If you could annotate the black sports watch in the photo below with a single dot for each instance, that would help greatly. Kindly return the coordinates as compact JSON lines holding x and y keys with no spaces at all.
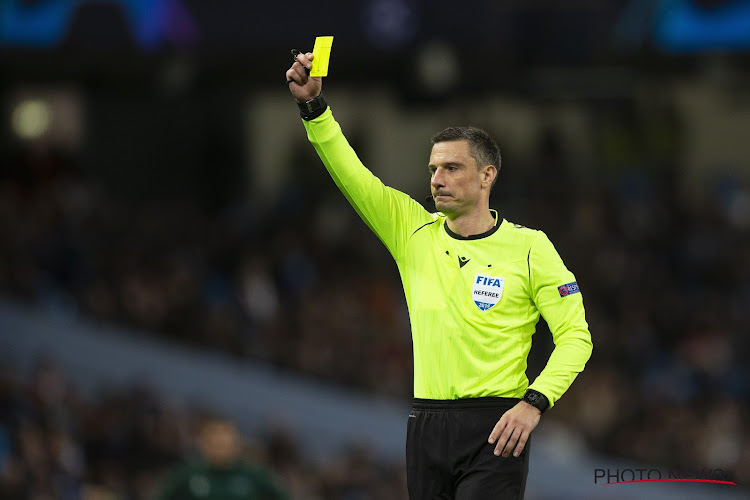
{"x":313,"y":108}
{"x":536,"y":399}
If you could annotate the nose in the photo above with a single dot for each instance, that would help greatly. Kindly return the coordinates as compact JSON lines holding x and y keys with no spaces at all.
{"x":436,"y":180}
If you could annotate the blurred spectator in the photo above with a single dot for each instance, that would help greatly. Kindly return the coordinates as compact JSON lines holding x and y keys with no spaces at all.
{"x":219,"y":473}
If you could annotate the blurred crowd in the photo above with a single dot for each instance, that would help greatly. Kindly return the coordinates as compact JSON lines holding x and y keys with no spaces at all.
{"x":57,"y":443}
{"x":254,"y":283}
{"x":303,"y":286}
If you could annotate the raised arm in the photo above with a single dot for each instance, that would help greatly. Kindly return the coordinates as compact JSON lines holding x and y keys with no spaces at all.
{"x":391,"y":214}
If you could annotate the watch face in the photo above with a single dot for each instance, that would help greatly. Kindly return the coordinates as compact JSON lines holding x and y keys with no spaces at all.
{"x":536,"y":400}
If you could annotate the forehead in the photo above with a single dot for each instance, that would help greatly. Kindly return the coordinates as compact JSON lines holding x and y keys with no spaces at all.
{"x":217,"y":429}
{"x":450,"y":151}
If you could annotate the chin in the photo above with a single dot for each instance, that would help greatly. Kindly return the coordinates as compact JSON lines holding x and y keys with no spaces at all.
{"x":443,"y":207}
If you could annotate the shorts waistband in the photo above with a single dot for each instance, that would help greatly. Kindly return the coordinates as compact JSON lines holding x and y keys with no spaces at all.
{"x":463,"y":403}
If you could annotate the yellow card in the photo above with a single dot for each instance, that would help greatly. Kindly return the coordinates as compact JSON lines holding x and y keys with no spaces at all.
{"x":322,"y":54}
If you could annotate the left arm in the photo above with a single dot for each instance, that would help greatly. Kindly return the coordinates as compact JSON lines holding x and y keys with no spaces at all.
{"x":563,"y":310}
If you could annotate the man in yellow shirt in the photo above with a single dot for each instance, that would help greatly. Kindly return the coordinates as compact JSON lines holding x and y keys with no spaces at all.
{"x":475,"y":286}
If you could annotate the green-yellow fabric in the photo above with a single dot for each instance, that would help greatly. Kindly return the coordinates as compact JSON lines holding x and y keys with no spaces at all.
{"x":460,"y":350}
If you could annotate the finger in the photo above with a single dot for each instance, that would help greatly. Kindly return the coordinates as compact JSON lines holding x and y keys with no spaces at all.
{"x":301,"y":68}
{"x":292,"y":76}
{"x":300,"y":72}
{"x":496,"y":431}
{"x":502,"y":441}
{"x":521,"y":444}
{"x":506,"y":441}
{"x":305,"y":60}
{"x":511,"y":443}
{"x":512,"y":440}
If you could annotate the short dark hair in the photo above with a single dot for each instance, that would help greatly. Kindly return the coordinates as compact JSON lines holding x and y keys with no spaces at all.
{"x":482,"y":146}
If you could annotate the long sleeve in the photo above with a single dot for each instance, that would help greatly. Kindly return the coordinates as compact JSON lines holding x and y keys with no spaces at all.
{"x":391,"y":214}
{"x":563,"y":310}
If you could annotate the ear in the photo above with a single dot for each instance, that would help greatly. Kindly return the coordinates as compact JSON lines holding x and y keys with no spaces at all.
{"x":489,"y":172}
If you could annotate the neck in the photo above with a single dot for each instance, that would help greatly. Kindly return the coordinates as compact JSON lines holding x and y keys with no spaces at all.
{"x":470,"y":224}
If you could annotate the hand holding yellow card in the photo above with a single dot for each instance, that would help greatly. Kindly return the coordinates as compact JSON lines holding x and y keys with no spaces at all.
{"x":321,"y":55}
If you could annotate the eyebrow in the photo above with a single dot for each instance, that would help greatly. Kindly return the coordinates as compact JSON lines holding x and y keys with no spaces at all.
{"x":446,"y":164}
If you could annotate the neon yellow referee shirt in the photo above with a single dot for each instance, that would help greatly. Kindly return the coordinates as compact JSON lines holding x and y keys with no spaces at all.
{"x":473,"y":302}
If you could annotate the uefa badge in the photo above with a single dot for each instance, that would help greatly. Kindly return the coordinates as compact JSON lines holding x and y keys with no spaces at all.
{"x":568,"y":288}
{"x":487,"y":290}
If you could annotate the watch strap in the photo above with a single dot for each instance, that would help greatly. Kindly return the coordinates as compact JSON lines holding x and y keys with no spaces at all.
{"x":536,"y":399}
{"x":313,"y":108}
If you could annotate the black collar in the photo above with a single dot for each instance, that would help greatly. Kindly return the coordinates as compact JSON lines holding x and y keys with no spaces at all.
{"x":485,"y":234}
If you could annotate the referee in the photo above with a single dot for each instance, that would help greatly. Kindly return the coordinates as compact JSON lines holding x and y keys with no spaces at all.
{"x":475,"y":285}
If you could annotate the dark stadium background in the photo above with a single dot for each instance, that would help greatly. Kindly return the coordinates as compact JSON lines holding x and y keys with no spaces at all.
{"x":156,"y":185}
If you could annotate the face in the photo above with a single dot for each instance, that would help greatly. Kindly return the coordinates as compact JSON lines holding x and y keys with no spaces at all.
{"x":457,"y":185}
{"x":220,"y":443}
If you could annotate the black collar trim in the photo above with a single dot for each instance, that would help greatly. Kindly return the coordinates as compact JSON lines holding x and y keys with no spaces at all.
{"x":490,"y":232}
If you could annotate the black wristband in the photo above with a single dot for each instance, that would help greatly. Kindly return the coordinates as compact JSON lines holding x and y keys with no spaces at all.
{"x":313,"y":108}
{"x":536,"y":399}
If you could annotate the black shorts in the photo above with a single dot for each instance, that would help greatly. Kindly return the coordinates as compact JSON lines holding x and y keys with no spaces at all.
{"x":448,"y":456}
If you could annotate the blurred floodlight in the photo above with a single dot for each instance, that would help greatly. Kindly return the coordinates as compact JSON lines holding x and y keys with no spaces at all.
{"x":46,"y":116}
{"x":390,"y":23}
{"x":31,"y":118}
{"x":437,"y":68}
